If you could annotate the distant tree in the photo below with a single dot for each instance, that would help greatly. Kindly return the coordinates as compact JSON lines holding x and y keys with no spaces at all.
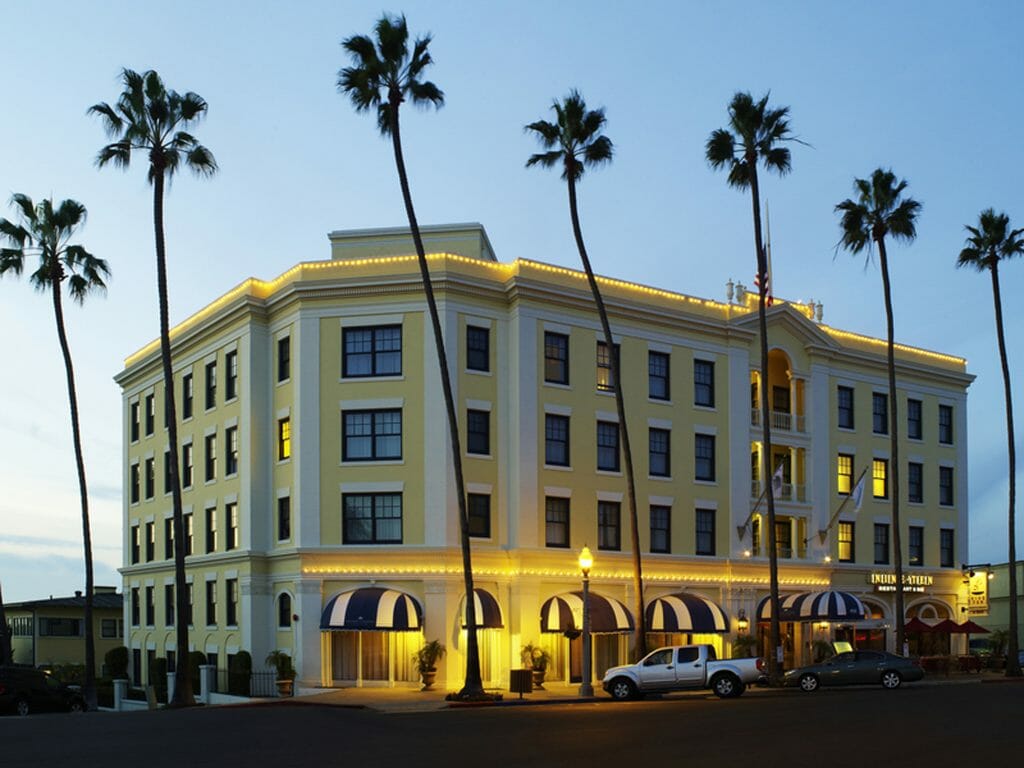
{"x":574,"y":142}
{"x":45,"y":231}
{"x":151,"y":119}
{"x":989,"y":243}
{"x":880,"y":210}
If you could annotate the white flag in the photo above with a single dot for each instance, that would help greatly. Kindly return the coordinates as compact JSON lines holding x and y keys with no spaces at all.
{"x":777,"y":482}
{"x":858,"y":493}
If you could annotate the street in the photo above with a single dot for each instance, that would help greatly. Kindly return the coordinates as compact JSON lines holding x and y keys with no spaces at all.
{"x":949,"y":725}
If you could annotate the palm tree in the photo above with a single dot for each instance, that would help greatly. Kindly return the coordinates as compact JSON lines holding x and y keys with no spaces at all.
{"x":154,"y":120}
{"x":756,"y":134}
{"x":5,"y":634}
{"x":45,"y":230}
{"x":989,"y":243}
{"x":384,"y":73}
{"x":881,"y":210}
{"x":575,"y":142}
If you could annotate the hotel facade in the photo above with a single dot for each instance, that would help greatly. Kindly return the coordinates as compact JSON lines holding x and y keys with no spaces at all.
{"x":319,"y":495}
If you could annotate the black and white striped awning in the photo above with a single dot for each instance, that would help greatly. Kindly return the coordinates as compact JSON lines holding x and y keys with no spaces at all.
{"x":831,"y":605}
{"x":685,"y":612}
{"x":564,"y":613}
{"x":374,"y":609}
{"x":488,"y":612}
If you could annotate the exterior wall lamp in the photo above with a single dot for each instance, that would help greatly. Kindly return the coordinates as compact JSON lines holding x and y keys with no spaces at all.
{"x":741,"y":621}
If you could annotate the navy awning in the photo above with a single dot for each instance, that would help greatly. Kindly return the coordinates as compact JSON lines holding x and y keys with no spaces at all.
{"x":564,"y":613}
{"x":373,"y":609}
{"x":831,"y":605}
{"x":685,"y":612}
{"x":488,"y":612}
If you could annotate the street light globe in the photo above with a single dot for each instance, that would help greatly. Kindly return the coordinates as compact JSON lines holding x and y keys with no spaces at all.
{"x":586,"y":560}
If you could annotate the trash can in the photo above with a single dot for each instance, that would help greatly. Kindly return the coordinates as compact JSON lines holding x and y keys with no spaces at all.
{"x":520,"y":681}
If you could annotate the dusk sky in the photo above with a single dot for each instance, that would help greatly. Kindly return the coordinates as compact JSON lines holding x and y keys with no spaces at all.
{"x":930,"y":89}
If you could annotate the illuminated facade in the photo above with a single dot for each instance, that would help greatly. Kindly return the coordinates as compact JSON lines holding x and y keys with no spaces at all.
{"x":320,"y":498}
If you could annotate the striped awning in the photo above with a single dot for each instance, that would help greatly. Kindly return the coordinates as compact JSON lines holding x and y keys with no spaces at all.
{"x":373,"y":609}
{"x":488,"y":612}
{"x":564,"y":613}
{"x":685,"y":612}
{"x":831,"y":605}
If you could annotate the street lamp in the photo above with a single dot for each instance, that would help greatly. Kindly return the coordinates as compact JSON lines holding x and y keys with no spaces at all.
{"x":586,"y":561}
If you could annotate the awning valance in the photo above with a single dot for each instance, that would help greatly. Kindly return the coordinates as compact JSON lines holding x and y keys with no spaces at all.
{"x":831,"y":605}
{"x":685,"y":612}
{"x":564,"y":613}
{"x":488,"y":612}
{"x":374,"y":609}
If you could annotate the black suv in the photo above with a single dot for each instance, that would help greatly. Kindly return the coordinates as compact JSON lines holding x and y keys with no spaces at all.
{"x":24,"y":690}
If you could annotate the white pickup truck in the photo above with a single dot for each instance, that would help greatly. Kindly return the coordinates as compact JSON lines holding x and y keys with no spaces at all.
{"x":680,"y":668}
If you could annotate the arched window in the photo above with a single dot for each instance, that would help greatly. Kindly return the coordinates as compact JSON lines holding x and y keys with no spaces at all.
{"x":284,"y":611}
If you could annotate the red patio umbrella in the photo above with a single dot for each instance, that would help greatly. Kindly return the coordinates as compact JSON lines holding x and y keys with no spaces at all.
{"x":970,"y":628}
{"x":947,"y":626}
{"x":916,"y":625}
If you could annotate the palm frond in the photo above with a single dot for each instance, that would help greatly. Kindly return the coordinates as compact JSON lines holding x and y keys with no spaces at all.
{"x":739,"y":173}
{"x":547,"y":133}
{"x":11,"y":259}
{"x":598,"y":151}
{"x":546,"y":159}
{"x":392,"y":38}
{"x":901,"y":222}
{"x":854,"y":226}
{"x":778,"y":159}
{"x":426,"y":94}
{"x":111,"y":121}
{"x":720,"y":148}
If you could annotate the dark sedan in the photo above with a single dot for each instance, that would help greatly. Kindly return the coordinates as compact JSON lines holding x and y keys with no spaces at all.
{"x":856,"y":668}
{"x":24,"y":690}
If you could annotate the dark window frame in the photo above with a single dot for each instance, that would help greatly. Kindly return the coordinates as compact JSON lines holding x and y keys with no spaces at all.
{"x":557,"y":521}
{"x":134,"y":416}
{"x":609,"y":526}
{"x":380,"y":419}
{"x":915,"y":546}
{"x":603,"y":362}
{"x":380,"y":336}
{"x":704,"y":447}
{"x":284,"y":438}
{"x":230,"y":451}
{"x":478,"y":348}
{"x":606,"y":431}
{"x":210,"y":457}
{"x":556,"y":434}
{"x":210,"y":385}
{"x":375,"y":518}
{"x":556,"y":358}
{"x":478,"y":508}
{"x":284,"y":358}
{"x":150,"y":415}
{"x":230,"y":375}
{"x":884,"y":463}
{"x":478,"y":441}
{"x":187,"y":396}
{"x":284,"y":518}
{"x":915,"y":409}
{"x":704,"y":524}
{"x":659,"y":444}
{"x":704,"y":383}
{"x":659,"y":372}
{"x":882,"y":544}
{"x":946,"y":424}
{"x":879,"y":413}
{"x":846,"y":540}
{"x":946,"y":487}
{"x":663,"y":532}
{"x":915,"y":482}
{"x":845,"y":416}
{"x":947,"y":551}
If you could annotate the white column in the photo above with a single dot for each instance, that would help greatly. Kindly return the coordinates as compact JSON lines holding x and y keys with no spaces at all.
{"x":438,"y":526}
{"x":524,"y":376}
{"x":306,"y":653}
{"x":305,"y":420}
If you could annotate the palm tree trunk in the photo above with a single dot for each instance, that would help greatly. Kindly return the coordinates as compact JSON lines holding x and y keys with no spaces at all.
{"x":182,"y":678}
{"x":894,"y":449}
{"x":5,"y":634}
{"x":774,"y":632}
{"x":473,"y":686}
{"x":640,"y":637}
{"x":1012,"y":663}
{"x":89,"y":689}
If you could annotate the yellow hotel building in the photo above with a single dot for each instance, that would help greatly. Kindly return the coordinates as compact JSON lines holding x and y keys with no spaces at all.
{"x":319,"y":494}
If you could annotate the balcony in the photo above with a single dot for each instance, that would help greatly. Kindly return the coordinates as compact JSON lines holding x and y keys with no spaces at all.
{"x":789,"y":492}
{"x":782,"y":421}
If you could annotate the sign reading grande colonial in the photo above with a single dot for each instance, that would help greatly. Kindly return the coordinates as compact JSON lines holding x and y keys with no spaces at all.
{"x":977,"y":593}
{"x":885,"y":581}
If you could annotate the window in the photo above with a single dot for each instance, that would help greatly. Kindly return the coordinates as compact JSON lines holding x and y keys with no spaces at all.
{"x":211,"y":603}
{"x":231,"y":519}
{"x":845,"y":401}
{"x":190,"y":595}
{"x":372,"y":518}
{"x":211,"y":529}
{"x":134,"y":482}
{"x":846,"y":551}
{"x":284,"y":518}
{"x":108,"y":629}
{"x":186,"y":465}
{"x":880,"y":478}
{"x":167,"y":471}
{"x":150,"y":414}
{"x":284,"y":358}
{"x":556,"y":440}
{"x":136,"y":543}
{"x":478,"y":432}
{"x":657,"y":375}
{"x":704,"y":450}
{"x":704,"y":383}
{"x":150,"y":542}
{"x":187,"y":395}
{"x":661,"y":517}
{"x":479,"y":508}
{"x":946,"y":486}
{"x":136,"y":609}
{"x":284,"y":611}
{"x":916,"y":545}
{"x":150,"y":478}
{"x":372,"y":351}
{"x":52,"y":627}
{"x":659,"y":440}
{"x":211,"y":457}
{"x":605,"y":374}
{"x":914,"y":419}
{"x":879,"y":413}
{"x":231,"y":587}
{"x":608,"y":446}
{"x":705,"y":532}
{"x":370,"y":435}
{"x":189,"y":533}
{"x":844,"y":473}
{"x":168,"y":538}
{"x":168,"y":605}
{"x":608,"y":515}
{"x":946,"y":424}
{"x":150,"y":607}
{"x":211,"y":385}
{"x":556,"y":521}
{"x":783,"y":538}
{"x":781,"y":402}
{"x":881,"y":543}
{"x":284,"y":439}
{"x":231,"y":444}
{"x":556,"y":358}
{"x":946,"y":557}
{"x":478,"y":348}
{"x":915,"y":484}
{"x":134,"y":421}
{"x":231,"y":375}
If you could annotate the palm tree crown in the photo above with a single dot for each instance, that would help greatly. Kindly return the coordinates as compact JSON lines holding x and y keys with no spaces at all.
{"x":877,"y":212}
{"x":755,"y":132}
{"x":991,"y":242}
{"x":384,"y":74}
{"x":574,"y":139}
{"x":150,"y":117}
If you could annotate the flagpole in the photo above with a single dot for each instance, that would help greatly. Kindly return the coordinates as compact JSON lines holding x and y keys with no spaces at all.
{"x":740,"y":529}
{"x":824,"y":531}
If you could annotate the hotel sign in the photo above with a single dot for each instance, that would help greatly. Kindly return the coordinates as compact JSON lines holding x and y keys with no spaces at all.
{"x":912,"y":582}
{"x":977,"y":593}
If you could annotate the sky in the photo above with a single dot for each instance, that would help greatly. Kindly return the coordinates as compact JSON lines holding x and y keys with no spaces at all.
{"x":929,"y":89}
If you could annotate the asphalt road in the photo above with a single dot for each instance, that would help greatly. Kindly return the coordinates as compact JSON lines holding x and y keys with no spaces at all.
{"x":953,"y":725}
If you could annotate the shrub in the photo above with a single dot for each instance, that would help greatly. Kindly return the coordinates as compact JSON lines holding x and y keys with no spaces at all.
{"x":282,"y":662}
{"x":116,"y":660}
{"x":158,"y":678}
{"x":239,"y":673}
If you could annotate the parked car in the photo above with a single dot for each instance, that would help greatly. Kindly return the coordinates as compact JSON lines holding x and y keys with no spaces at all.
{"x":680,"y":668}
{"x":856,"y":668}
{"x":24,"y":690}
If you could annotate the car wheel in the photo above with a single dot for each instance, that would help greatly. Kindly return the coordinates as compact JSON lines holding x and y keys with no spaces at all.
{"x":891,"y":679}
{"x":21,"y":707}
{"x":76,"y":706}
{"x":726,"y":686}
{"x":808,"y":683}
{"x":622,"y":689}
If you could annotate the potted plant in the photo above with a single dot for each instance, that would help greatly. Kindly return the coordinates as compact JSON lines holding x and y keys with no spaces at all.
{"x":744,"y":646}
{"x":426,"y":659}
{"x":282,"y":662}
{"x":536,"y":658}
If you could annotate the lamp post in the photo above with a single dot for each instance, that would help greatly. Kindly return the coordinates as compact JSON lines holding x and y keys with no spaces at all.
{"x":586,"y":561}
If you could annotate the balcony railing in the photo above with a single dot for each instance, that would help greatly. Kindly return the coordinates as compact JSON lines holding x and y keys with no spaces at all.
{"x":784,"y":421}
{"x":789,"y":492}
